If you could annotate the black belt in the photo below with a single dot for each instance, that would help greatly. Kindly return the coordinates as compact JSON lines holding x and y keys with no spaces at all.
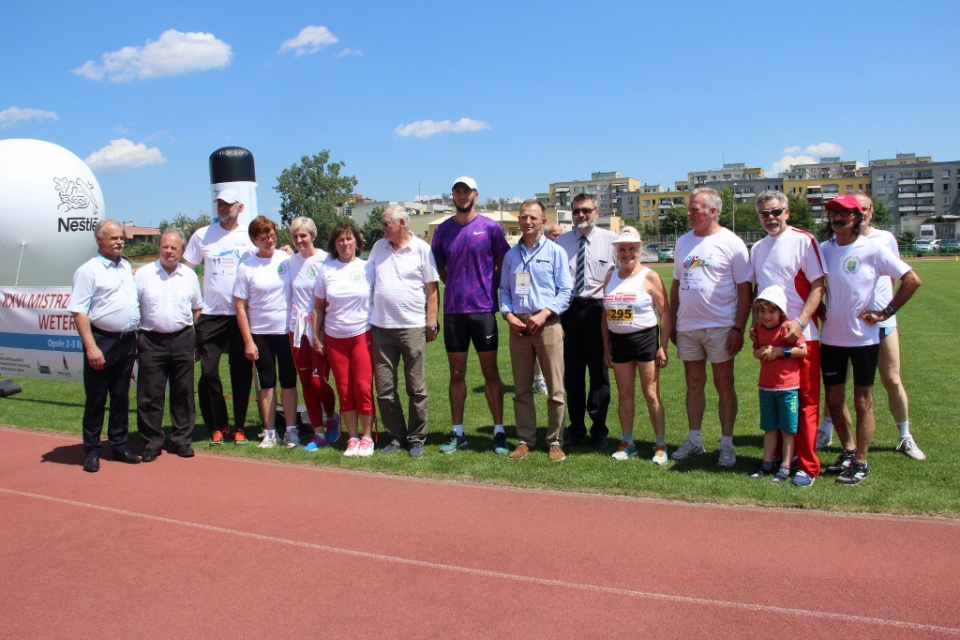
{"x":117,"y":335}
{"x":163,"y":334}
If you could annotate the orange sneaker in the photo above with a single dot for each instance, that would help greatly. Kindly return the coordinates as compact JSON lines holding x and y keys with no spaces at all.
{"x":216,"y":437}
{"x":239,"y":437}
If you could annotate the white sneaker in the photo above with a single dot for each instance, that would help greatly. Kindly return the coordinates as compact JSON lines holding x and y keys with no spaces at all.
{"x":291,"y":437}
{"x":687,"y":449}
{"x":540,"y":385}
{"x":660,"y":455}
{"x":366,"y":448}
{"x":269,"y":440}
{"x":353,"y":448}
{"x":909,"y":448}
{"x":728,"y":456}
{"x":824,"y":439}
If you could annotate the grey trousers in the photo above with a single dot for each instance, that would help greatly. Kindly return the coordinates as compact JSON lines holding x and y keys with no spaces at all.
{"x":546,"y":348}
{"x":389,"y":347}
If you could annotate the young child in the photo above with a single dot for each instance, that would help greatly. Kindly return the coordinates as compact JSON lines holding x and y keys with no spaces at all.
{"x":779,"y":380}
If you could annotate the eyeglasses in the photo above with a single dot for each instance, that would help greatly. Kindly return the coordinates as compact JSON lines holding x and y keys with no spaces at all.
{"x":583,"y":212}
{"x":386,"y":223}
{"x":846,"y":213}
{"x":267,"y":238}
{"x":766,"y":213}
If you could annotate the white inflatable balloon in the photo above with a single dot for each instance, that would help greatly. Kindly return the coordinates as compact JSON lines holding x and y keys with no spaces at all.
{"x":49,"y":204}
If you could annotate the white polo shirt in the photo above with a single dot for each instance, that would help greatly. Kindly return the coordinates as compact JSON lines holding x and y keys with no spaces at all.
{"x":400,"y":278}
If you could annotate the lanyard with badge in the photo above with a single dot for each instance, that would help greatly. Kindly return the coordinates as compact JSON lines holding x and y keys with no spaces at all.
{"x":522,"y":285}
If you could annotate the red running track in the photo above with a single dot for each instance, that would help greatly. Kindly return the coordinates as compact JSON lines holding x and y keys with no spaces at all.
{"x":232,"y":548}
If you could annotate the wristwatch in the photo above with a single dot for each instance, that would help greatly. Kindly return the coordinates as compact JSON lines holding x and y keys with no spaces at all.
{"x":889,"y":311}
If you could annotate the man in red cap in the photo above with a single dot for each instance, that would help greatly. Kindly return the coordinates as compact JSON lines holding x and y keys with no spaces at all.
{"x":850,"y":333}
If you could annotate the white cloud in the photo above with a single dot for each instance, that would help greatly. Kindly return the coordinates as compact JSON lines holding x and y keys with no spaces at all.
{"x":310,"y":40}
{"x":173,"y":54}
{"x":792,"y":150}
{"x":427,"y":128}
{"x":123,"y":154}
{"x":787,"y":161}
{"x":350,"y":52}
{"x":12,"y":115}
{"x":824,"y":149}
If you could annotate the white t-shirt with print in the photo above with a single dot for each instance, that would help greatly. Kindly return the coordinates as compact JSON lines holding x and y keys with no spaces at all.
{"x":708,"y":270}
{"x":400,"y":299}
{"x":347,"y":287}
{"x":852,"y":273}
{"x":221,"y":253}
{"x":303,"y":276}
{"x":265,"y":284}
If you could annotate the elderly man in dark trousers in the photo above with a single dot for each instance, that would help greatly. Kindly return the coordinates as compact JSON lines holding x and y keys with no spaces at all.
{"x":170,"y":303}
{"x":591,"y":256}
{"x":105,"y":308}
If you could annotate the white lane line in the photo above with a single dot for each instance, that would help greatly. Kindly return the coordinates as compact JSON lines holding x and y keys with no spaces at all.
{"x":726,"y":604}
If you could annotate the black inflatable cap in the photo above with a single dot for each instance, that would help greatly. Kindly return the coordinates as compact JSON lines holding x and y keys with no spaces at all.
{"x":232,"y":164}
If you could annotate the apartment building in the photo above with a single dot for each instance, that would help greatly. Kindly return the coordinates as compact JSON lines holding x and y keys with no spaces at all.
{"x":916,"y":188}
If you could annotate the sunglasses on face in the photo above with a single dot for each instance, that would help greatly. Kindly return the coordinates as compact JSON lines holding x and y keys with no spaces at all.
{"x":766,"y":213}
{"x":583,"y":212}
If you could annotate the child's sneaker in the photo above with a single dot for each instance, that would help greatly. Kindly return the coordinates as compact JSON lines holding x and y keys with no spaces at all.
{"x":803,"y":479}
{"x":353,"y":448}
{"x":783,"y":474}
{"x":763,"y":470}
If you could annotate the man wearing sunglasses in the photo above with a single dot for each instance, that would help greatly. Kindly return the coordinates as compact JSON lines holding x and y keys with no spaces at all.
{"x":591,"y":255}
{"x":790,"y":258}
{"x":851,"y":333}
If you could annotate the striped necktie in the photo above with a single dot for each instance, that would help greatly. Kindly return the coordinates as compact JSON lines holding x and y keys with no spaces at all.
{"x":581,"y":260}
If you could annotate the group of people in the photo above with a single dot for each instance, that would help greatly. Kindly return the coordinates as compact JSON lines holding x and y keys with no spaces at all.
{"x":576,"y":304}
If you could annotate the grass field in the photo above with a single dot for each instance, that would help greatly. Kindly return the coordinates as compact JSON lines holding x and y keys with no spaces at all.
{"x":896,"y":484}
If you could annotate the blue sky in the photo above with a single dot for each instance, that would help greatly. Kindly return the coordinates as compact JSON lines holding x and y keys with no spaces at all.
{"x":514,"y":94}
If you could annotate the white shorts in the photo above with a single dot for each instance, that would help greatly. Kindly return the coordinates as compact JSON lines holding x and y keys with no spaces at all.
{"x":704,"y":344}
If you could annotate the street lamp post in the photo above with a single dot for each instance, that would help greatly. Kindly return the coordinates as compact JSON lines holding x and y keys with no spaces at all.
{"x":734,"y":212}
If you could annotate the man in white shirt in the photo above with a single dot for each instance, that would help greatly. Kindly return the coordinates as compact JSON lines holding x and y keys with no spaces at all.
{"x":790,"y":259}
{"x":888,"y":364}
{"x":404,"y":320}
{"x":105,"y":308}
{"x":850,"y":334}
{"x":710,"y":301}
{"x":221,"y":247}
{"x":591,"y":256}
{"x":170,"y":303}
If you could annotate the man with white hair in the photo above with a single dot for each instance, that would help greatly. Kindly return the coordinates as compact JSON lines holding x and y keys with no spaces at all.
{"x":221,"y":247}
{"x":106,"y":311}
{"x":790,"y":259}
{"x":710,"y":302}
{"x":404,"y":320}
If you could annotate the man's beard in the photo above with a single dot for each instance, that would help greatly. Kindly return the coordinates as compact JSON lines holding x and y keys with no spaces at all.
{"x":466,"y":209}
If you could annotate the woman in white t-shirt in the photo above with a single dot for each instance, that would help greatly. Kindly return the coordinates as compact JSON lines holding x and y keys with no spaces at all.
{"x":261,"y":293}
{"x":633,"y":296}
{"x":312,"y":367}
{"x":342,"y":332}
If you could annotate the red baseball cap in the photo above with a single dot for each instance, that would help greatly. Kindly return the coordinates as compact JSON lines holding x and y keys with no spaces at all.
{"x":844,"y":202}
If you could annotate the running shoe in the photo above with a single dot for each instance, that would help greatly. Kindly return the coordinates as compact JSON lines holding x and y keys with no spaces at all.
{"x":500,"y":444}
{"x":316,"y":442}
{"x":660,"y":454}
{"x":332,"y":429}
{"x":366,"y":448}
{"x":764,"y":469}
{"x":353,"y":448}
{"x":687,"y":449}
{"x":843,"y":461}
{"x":803,"y":479}
{"x":782,"y":475}
{"x":453,"y":442}
{"x":824,"y":439}
{"x":216,"y":438}
{"x":269,"y":441}
{"x":239,"y":437}
{"x":624,"y":452}
{"x":853,"y":474}
{"x":291,"y":437}
{"x":909,"y":448}
{"x":728,"y":456}
{"x":540,"y":385}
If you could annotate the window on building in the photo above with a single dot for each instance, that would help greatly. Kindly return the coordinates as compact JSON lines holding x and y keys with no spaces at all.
{"x":946,"y":201}
{"x":881,"y":191}
{"x":946,"y":186}
{"x":879,"y":177}
{"x":849,"y":188}
{"x":946,"y":173}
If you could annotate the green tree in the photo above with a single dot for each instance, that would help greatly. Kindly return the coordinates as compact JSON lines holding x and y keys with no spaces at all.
{"x":801,"y":214}
{"x":491,"y":204}
{"x":881,"y":214}
{"x":371,"y":230}
{"x":186,"y":224}
{"x":316,"y":190}
{"x":675,"y":221}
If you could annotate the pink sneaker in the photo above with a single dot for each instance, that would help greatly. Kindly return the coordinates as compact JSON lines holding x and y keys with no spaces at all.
{"x":353,"y":448}
{"x":366,"y":447}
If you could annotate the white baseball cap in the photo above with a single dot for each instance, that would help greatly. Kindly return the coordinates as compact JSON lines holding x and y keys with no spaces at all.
{"x":628,"y":235}
{"x":229,"y":196}
{"x":470,"y":182}
{"x":775,"y":296}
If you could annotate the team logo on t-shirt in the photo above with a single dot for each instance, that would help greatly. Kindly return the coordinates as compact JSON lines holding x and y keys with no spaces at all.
{"x":694,"y":262}
{"x":282,"y":268}
{"x":356,"y":277}
{"x":312,"y":272}
{"x":852,"y":264}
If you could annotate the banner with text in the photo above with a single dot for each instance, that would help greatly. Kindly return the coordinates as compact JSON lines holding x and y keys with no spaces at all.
{"x":38,"y":338}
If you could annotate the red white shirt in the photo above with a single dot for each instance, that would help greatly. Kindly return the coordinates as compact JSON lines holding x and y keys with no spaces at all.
{"x":782,"y":374}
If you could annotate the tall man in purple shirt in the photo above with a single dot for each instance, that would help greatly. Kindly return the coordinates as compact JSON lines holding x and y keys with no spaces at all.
{"x":469,"y":250}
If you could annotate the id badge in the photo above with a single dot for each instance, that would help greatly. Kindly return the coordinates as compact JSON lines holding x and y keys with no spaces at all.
{"x":522,"y":286}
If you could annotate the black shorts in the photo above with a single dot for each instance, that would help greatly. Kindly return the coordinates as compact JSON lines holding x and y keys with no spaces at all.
{"x":834,"y":362}
{"x":640,"y":345}
{"x":459,"y":329}
{"x":275,"y":354}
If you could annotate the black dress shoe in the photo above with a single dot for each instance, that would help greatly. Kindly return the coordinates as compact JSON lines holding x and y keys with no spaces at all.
{"x":185,"y":451}
{"x":150,"y":455}
{"x":572,"y":440}
{"x":126,"y":456}
{"x":601,"y":443}
{"x":92,"y":463}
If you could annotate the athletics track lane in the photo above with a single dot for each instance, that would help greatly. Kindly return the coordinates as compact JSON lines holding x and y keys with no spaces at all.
{"x":224,"y":547}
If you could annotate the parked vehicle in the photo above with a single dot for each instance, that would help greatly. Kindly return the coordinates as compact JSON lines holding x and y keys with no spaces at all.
{"x":950,"y":245}
{"x":927,"y":246}
{"x":928,"y":233}
{"x":665,"y":254}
